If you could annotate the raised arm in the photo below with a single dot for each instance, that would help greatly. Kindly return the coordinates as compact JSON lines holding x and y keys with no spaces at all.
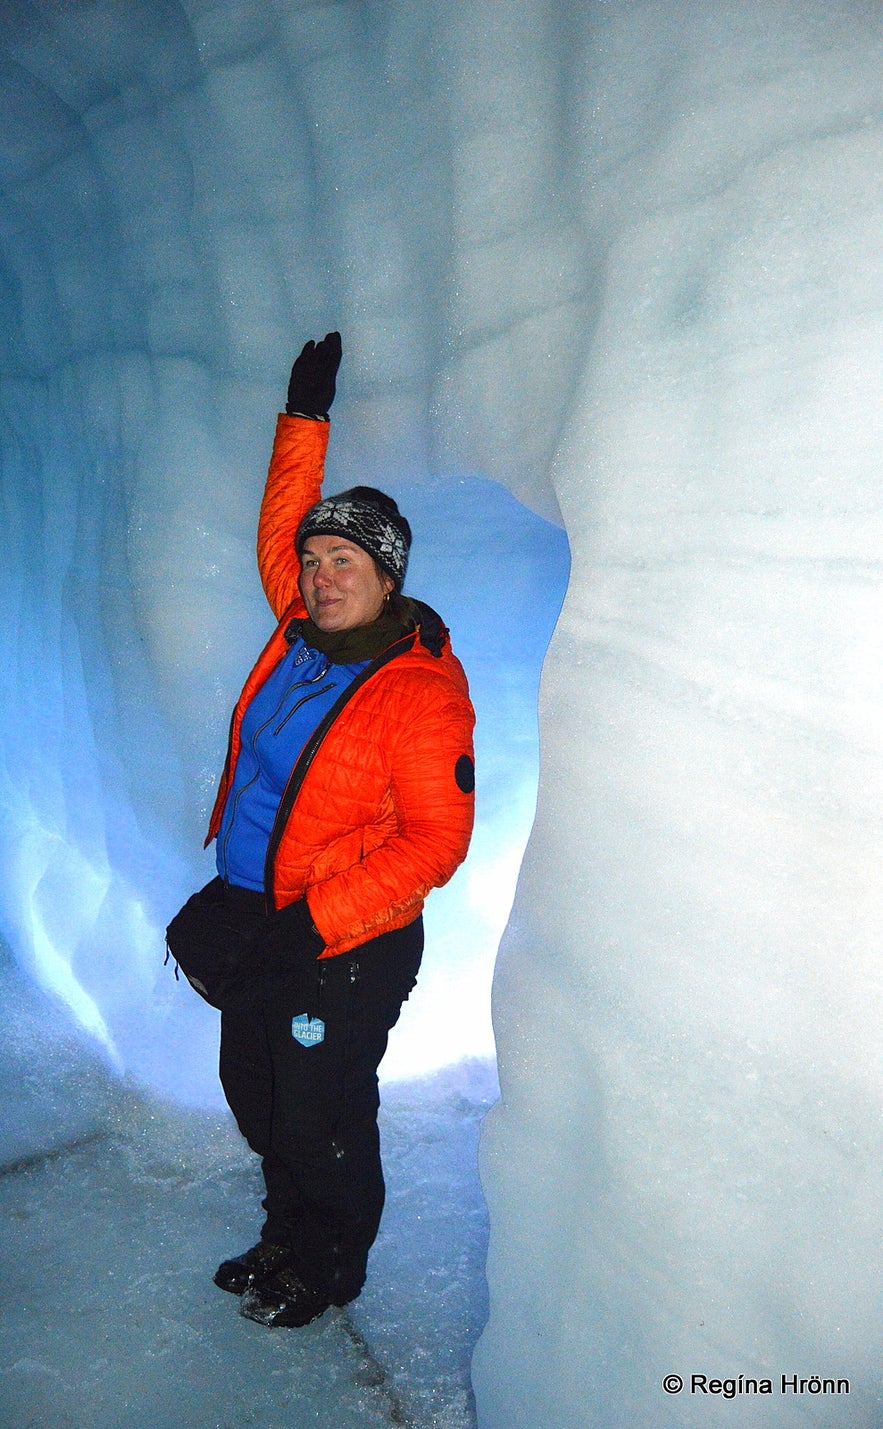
{"x":294,"y":480}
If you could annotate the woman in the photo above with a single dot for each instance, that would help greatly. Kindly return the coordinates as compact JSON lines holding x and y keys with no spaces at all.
{"x":346,"y":796}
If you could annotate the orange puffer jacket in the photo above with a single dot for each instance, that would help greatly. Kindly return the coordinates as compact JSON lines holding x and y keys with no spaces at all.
{"x":379,"y":806}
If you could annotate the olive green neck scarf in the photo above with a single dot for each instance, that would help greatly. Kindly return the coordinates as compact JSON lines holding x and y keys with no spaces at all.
{"x":364,"y":642}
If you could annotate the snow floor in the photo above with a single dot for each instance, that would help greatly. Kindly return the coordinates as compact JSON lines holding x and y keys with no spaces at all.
{"x":110,"y":1319}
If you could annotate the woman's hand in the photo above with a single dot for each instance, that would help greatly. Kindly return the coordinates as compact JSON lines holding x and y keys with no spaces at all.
{"x":282,"y":963}
{"x":288,"y":935}
{"x":312,"y":384}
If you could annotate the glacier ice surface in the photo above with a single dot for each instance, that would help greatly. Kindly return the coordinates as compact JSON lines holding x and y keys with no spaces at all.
{"x":623,"y":259}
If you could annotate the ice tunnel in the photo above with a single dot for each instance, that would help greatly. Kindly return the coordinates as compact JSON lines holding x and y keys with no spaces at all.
{"x":615,"y":265}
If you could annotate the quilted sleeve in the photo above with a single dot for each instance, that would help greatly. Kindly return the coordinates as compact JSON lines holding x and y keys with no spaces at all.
{"x":294,"y":484}
{"x":431,"y":768}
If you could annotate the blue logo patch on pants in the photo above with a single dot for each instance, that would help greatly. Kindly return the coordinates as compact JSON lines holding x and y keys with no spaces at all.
{"x":308,"y":1031}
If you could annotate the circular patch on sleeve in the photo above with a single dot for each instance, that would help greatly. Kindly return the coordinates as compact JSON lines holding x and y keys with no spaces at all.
{"x":464,"y":773}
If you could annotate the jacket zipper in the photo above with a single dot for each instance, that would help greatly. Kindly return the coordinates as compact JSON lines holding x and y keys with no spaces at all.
{"x":302,"y":701}
{"x":298,"y":685}
{"x":308,"y":753}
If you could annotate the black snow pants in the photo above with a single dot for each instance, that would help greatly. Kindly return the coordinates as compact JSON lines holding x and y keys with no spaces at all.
{"x":302,"y":1085}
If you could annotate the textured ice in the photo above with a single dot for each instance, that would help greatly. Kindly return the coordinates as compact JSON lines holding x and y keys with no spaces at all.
{"x":623,"y":258}
{"x":145,"y":359}
{"x":689,"y":1029}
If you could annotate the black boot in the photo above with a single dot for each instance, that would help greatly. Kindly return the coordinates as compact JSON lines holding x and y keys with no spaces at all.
{"x":281,"y":1298}
{"x":238,"y":1273}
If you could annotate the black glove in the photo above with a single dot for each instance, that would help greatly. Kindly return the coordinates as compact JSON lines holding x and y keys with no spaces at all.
{"x":284,"y":949}
{"x":289,"y":935}
{"x":311,"y":386}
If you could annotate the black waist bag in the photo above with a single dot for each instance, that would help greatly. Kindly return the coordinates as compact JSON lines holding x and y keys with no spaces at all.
{"x":211,"y":940}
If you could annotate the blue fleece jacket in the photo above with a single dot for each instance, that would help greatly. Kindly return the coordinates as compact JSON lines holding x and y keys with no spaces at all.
{"x":276,"y":726}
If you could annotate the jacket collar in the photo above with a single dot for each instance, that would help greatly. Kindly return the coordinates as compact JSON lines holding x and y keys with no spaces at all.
{"x":347,"y":647}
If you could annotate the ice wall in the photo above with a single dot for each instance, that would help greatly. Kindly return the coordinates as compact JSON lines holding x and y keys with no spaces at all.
{"x":623,"y":259}
{"x":188,"y":191}
{"x":683,"y":1175}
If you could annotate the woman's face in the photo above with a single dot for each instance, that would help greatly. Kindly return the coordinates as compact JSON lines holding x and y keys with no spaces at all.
{"x":341,"y":584}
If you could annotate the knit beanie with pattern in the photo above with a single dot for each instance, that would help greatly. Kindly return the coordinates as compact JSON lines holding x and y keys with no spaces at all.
{"x":367,"y":517}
